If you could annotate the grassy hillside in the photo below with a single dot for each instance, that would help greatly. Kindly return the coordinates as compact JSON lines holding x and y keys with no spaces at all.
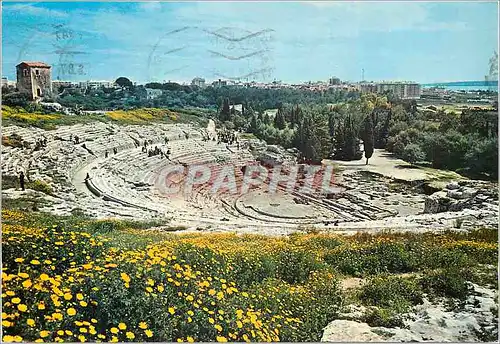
{"x":21,"y":117}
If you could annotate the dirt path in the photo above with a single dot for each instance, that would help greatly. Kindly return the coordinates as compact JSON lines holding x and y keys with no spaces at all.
{"x":384,"y":163}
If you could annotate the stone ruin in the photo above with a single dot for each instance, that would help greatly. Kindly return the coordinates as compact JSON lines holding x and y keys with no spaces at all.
{"x":464,"y":194}
{"x":123,"y":184}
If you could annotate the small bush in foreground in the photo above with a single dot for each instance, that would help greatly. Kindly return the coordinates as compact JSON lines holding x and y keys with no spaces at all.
{"x":450,"y":282}
{"x":383,"y":317}
{"x":396,"y":293}
{"x":39,"y":185}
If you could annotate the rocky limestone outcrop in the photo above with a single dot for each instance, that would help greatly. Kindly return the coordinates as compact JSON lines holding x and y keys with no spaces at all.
{"x":457,"y":196}
{"x":476,"y":321}
{"x":350,"y":331}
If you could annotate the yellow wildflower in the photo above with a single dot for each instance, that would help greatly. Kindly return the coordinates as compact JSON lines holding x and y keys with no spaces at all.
{"x":8,"y":339}
{"x":125,"y":277}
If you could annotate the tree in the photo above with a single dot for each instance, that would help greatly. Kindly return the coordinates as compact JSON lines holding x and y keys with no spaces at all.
{"x":255,"y":123}
{"x":307,"y":141}
{"x":124,"y":82}
{"x":331,"y":124}
{"x":225,"y":113}
{"x":266,"y":119}
{"x":482,"y":157}
{"x":413,"y":153}
{"x":279,"y":119}
{"x":16,"y":99}
{"x":368,"y":139}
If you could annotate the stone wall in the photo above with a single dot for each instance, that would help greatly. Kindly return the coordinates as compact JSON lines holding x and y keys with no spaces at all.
{"x":37,"y":82}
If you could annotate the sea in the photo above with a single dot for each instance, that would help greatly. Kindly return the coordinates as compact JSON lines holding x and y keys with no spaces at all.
{"x":466,"y":86}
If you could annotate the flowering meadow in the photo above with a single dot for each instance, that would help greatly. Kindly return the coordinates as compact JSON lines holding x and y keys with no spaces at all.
{"x":141,"y":115}
{"x":69,"y":279}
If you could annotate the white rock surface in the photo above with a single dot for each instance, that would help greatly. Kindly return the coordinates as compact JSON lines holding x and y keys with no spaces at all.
{"x":427,"y":322}
{"x":349,"y":331}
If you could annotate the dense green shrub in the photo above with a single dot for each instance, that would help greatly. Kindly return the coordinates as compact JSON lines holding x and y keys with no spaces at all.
{"x":392,"y":292}
{"x":39,"y":185}
{"x":383,"y":317}
{"x":379,"y":258}
{"x":450,"y":282}
{"x":295,"y":266}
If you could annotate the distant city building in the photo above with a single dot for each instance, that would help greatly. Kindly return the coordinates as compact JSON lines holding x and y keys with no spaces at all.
{"x":219,"y":83}
{"x":403,"y":90}
{"x":334,"y":81}
{"x":152,"y":93}
{"x":59,"y":83}
{"x":94,"y":84}
{"x":200,"y":82}
{"x":6,"y":82}
{"x":34,"y":78}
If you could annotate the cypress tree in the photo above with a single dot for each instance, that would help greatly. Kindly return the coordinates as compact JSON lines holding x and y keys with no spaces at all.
{"x":225,"y":114}
{"x":254,"y":124}
{"x":279,"y":119}
{"x":350,"y":143}
{"x":267,"y":119}
{"x":368,"y":139}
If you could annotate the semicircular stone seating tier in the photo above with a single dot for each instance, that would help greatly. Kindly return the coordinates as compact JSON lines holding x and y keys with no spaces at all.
{"x":126,"y":182}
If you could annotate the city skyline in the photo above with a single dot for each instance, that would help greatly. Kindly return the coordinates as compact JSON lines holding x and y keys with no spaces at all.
{"x":153,"y":41}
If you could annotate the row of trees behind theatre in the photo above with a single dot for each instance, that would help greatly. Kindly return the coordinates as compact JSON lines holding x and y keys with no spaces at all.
{"x":318,"y":131}
{"x":465,"y":142}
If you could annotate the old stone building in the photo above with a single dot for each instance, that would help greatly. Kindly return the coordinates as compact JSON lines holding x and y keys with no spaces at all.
{"x":34,"y":78}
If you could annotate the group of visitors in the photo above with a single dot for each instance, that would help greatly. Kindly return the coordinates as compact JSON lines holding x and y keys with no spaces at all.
{"x":156,"y":151}
{"x":75,"y":139}
{"x":41,"y":143}
{"x":226,"y":137}
{"x":115,"y":150}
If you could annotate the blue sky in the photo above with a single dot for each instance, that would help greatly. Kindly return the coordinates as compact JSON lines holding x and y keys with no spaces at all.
{"x":291,"y":41}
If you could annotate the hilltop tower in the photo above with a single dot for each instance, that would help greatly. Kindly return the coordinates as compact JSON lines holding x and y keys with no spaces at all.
{"x":34,"y":78}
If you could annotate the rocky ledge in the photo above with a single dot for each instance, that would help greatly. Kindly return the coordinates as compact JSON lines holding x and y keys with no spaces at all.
{"x":460,"y":195}
{"x":476,"y":321}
